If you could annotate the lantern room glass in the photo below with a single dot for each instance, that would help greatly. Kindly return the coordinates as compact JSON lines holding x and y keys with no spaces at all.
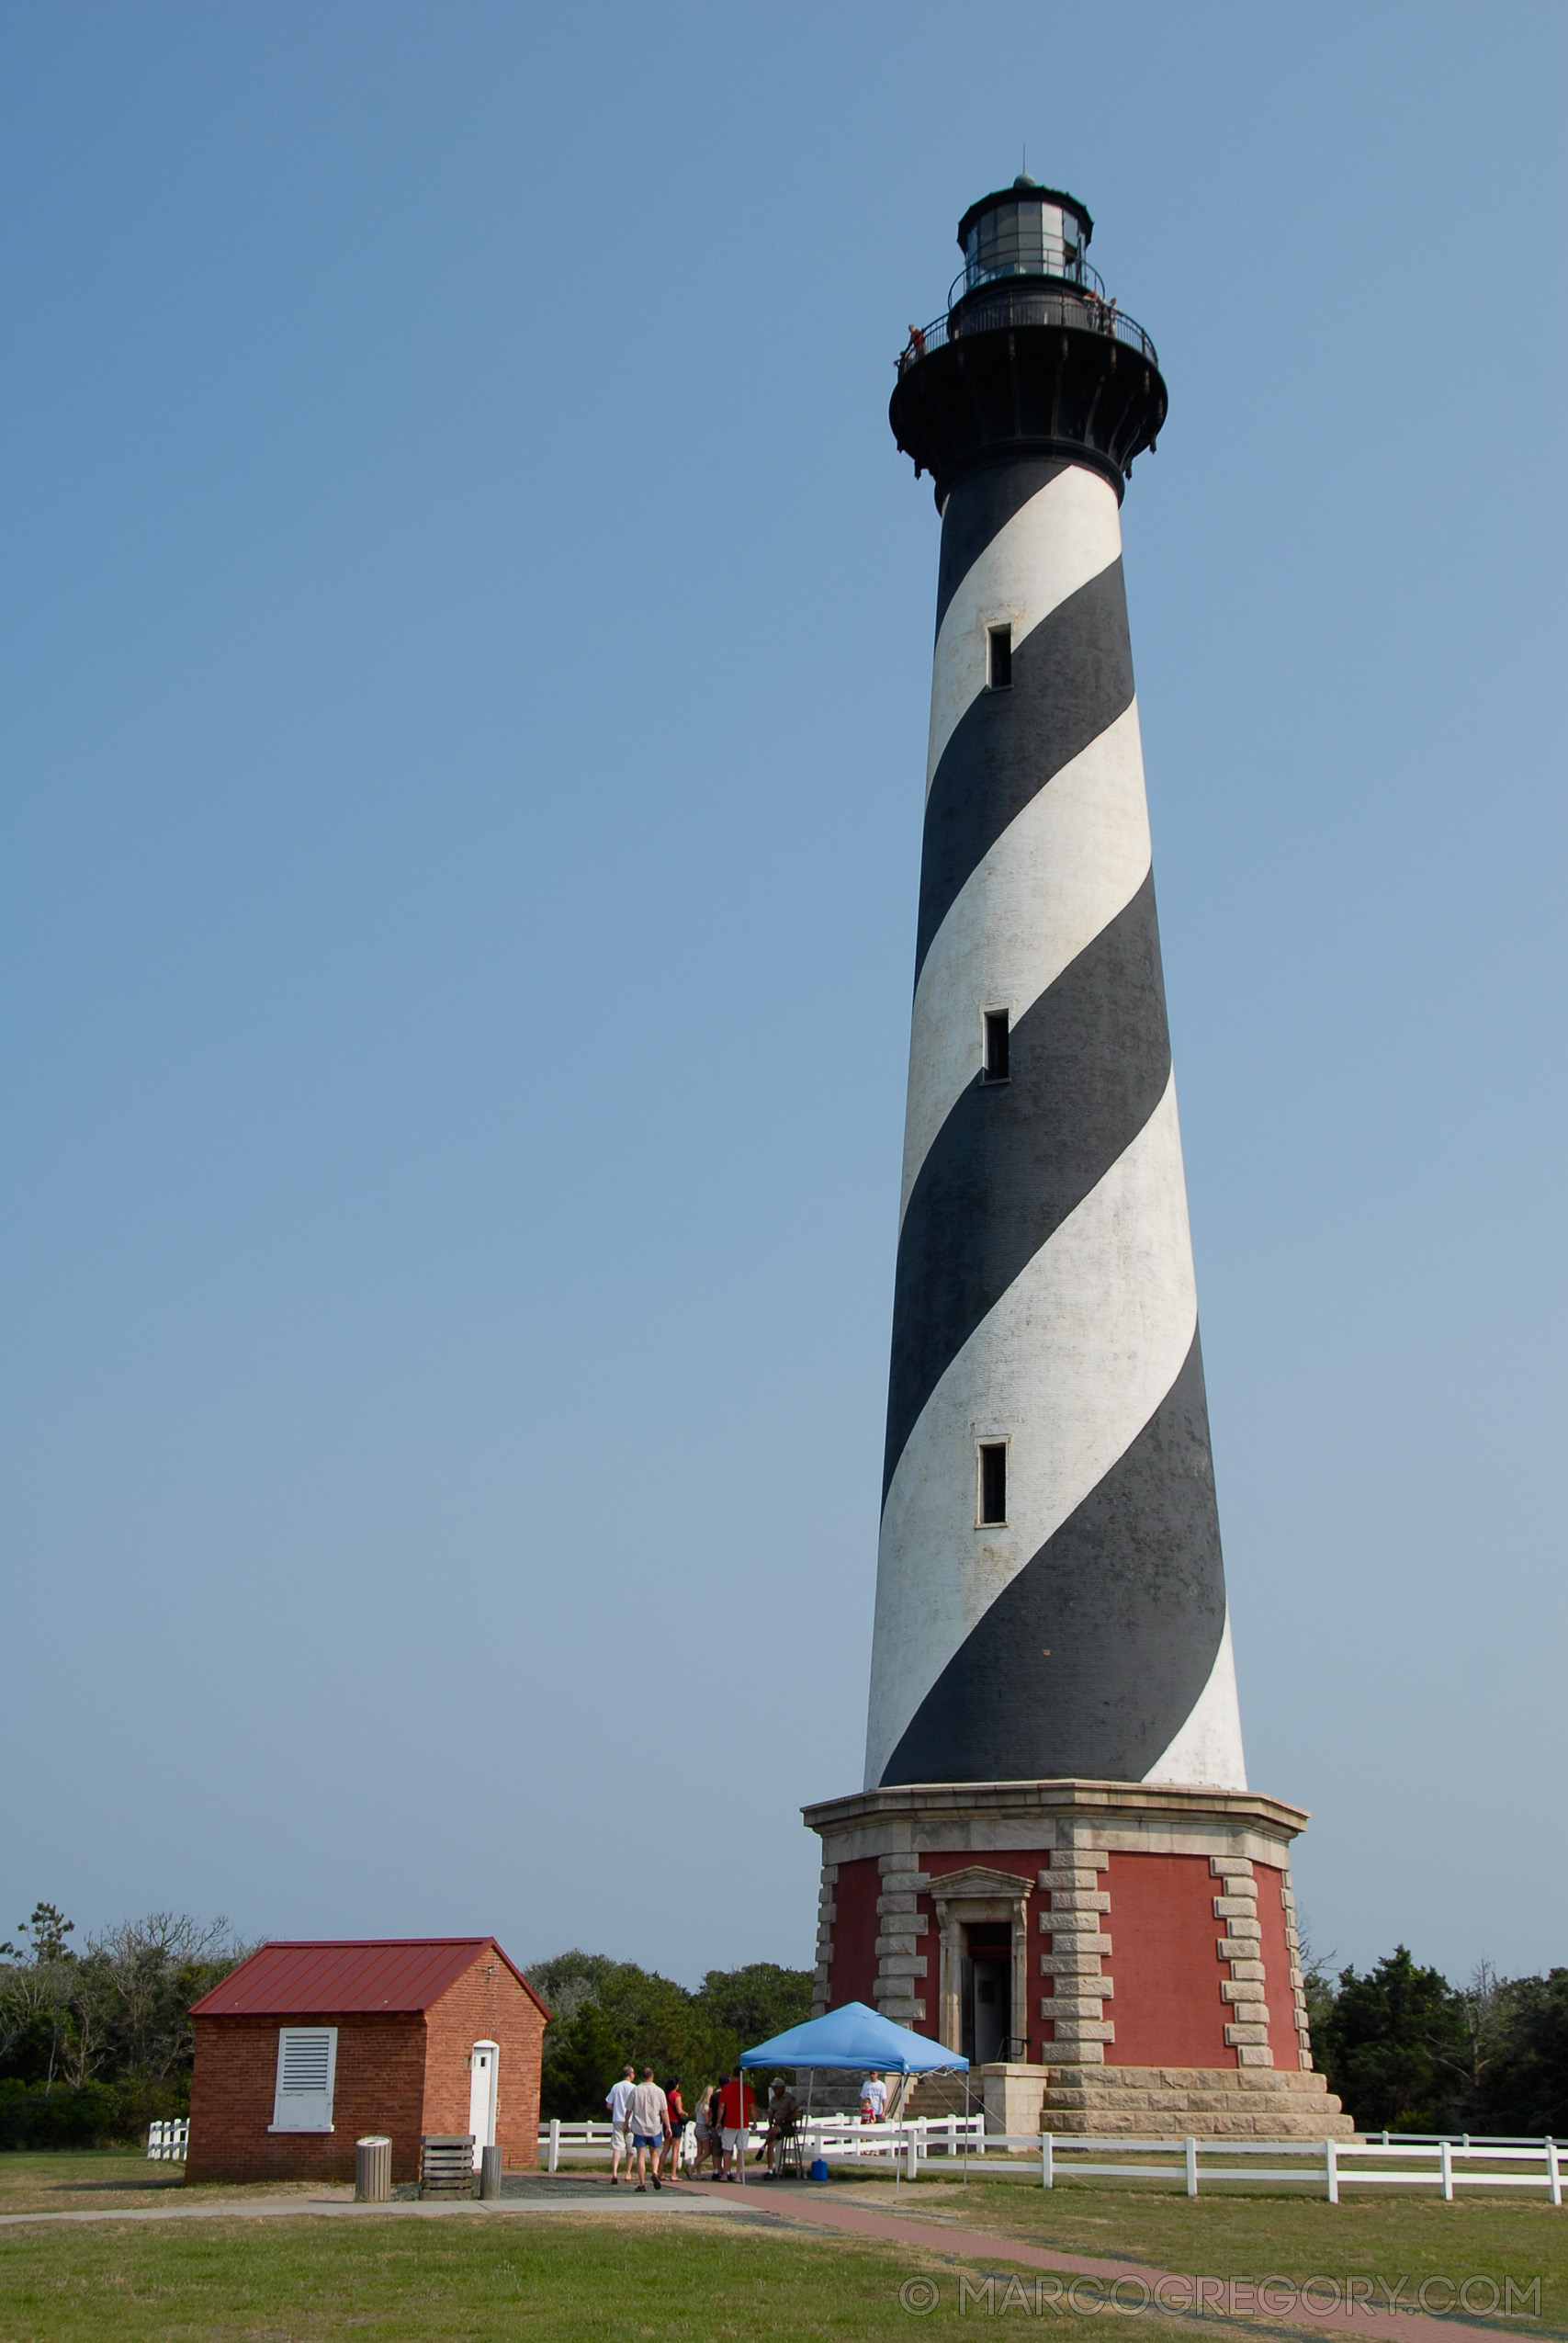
{"x":1024,"y":239}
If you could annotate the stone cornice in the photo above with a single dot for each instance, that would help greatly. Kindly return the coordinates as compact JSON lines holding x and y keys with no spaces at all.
{"x":929,"y":1800}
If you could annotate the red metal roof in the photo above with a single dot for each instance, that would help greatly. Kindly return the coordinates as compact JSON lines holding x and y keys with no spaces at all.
{"x":297,"y":1979}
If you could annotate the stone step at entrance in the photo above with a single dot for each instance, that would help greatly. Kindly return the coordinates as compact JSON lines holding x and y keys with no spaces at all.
{"x":1210,"y":2102}
{"x":942,"y":2093}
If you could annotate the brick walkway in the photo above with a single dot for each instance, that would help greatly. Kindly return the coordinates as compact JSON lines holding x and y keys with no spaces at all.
{"x":818,"y":2211}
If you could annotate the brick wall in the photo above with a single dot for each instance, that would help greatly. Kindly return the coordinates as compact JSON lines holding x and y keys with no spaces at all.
{"x":487,"y":2004}
{"x":379,"y":2088}
{"x":1168,"y":2011}
{"x":856,"y":1926}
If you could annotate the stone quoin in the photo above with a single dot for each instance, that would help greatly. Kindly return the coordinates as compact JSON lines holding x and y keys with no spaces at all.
{"x":1054,"y":1866}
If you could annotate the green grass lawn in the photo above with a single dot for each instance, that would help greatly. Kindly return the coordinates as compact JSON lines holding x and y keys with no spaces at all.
{"x":1252,"y":2234}
{"x":455,"y":2280}
{"x":466,"y":2278}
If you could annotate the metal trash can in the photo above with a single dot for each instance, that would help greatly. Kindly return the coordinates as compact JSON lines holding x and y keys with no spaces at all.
{"x":447,"y":2164}
{"x":373,"y":2169}
{"x":490,"y":2172}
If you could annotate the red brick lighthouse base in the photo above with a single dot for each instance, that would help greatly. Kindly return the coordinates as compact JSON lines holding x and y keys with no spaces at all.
{"x":1110,"y":1955}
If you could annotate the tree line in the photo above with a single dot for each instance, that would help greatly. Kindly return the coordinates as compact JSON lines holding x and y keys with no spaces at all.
{"x":96,"y":2040}
{"x":95,"y":2043}
{"x":1408,"y":2052}
{"x":604,"y":2012}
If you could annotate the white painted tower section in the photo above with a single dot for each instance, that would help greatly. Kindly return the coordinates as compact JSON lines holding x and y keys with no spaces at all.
{"x":1073,"y":1360}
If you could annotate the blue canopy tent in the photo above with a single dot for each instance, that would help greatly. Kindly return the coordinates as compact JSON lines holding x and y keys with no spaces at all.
{"x":853,"y":2036}
{"x":858,"y":2036}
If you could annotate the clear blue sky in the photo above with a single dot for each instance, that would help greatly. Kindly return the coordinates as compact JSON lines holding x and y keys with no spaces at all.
{"x":467,"y":636}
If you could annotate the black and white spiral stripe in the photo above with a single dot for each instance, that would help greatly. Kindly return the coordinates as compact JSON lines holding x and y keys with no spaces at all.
{"x":1045,"y":1291}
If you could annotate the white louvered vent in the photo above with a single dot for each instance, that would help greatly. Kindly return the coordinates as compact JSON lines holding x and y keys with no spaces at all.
{"x":307,"y":2063}
{"x":307,"y":2070}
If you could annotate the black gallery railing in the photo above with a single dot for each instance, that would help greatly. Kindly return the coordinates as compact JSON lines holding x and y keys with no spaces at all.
{"x":1013,"y":305}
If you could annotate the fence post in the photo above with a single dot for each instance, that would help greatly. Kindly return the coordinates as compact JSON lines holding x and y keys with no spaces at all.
{"x":1553,"y":2172}
{"x":1447,"y":2156}
{"x":911,"y":2153}
{"x":1047,"y":2169}
{"x":554,"y":2163}
{"x":1331,"y":2170}
{"x":1191,"y":2167}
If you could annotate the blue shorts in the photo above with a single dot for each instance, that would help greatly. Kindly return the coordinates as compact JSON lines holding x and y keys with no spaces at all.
{"x":648,"y":2139}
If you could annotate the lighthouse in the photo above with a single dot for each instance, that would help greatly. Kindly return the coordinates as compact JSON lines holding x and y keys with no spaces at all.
{"x":1056,"y":1865}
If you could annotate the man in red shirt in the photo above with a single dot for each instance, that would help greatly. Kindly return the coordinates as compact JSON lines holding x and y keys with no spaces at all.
{"x":737,"y":2102}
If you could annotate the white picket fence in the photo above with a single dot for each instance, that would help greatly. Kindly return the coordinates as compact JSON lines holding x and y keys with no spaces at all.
{"x":167,"y":2143}
{"x":1328,"y":2165}
{"x":1447,"y":2164}
{"x":834,"y":2139}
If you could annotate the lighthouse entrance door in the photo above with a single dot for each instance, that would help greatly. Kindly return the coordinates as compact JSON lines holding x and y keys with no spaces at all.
{"x":982,"y":1919}
{"x":988,"y":1991}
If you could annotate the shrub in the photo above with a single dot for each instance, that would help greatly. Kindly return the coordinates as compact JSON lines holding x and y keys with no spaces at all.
{"x":90,"y":2115}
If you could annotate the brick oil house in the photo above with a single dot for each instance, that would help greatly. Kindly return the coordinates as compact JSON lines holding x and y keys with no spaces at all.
{"x":306,"y":2047}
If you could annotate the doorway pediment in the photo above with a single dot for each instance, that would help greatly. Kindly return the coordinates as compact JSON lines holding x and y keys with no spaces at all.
{"x":980,"y":1884}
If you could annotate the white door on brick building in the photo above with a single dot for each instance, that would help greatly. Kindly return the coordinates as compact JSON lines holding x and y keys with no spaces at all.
{"x":483,"y":2061}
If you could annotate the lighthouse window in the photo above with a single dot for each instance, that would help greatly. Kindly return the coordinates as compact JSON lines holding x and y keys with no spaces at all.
{"x":995,"y":1045}
{"x":998,"y":658}
{"x":993,"y":1482}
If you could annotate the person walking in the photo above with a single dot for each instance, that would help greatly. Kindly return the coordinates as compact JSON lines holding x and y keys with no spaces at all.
{"x":676,"y":2106}
{"x":737,"y":2104}
{"x":649,"y":2113}
{"x":710,"y":2134}
{"x":618,"y":2099}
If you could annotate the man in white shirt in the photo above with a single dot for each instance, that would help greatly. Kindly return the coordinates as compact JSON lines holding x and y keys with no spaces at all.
{"x":618,"y":2101}
{"x":873,"y":2099}
{"x":649,"y":2119}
